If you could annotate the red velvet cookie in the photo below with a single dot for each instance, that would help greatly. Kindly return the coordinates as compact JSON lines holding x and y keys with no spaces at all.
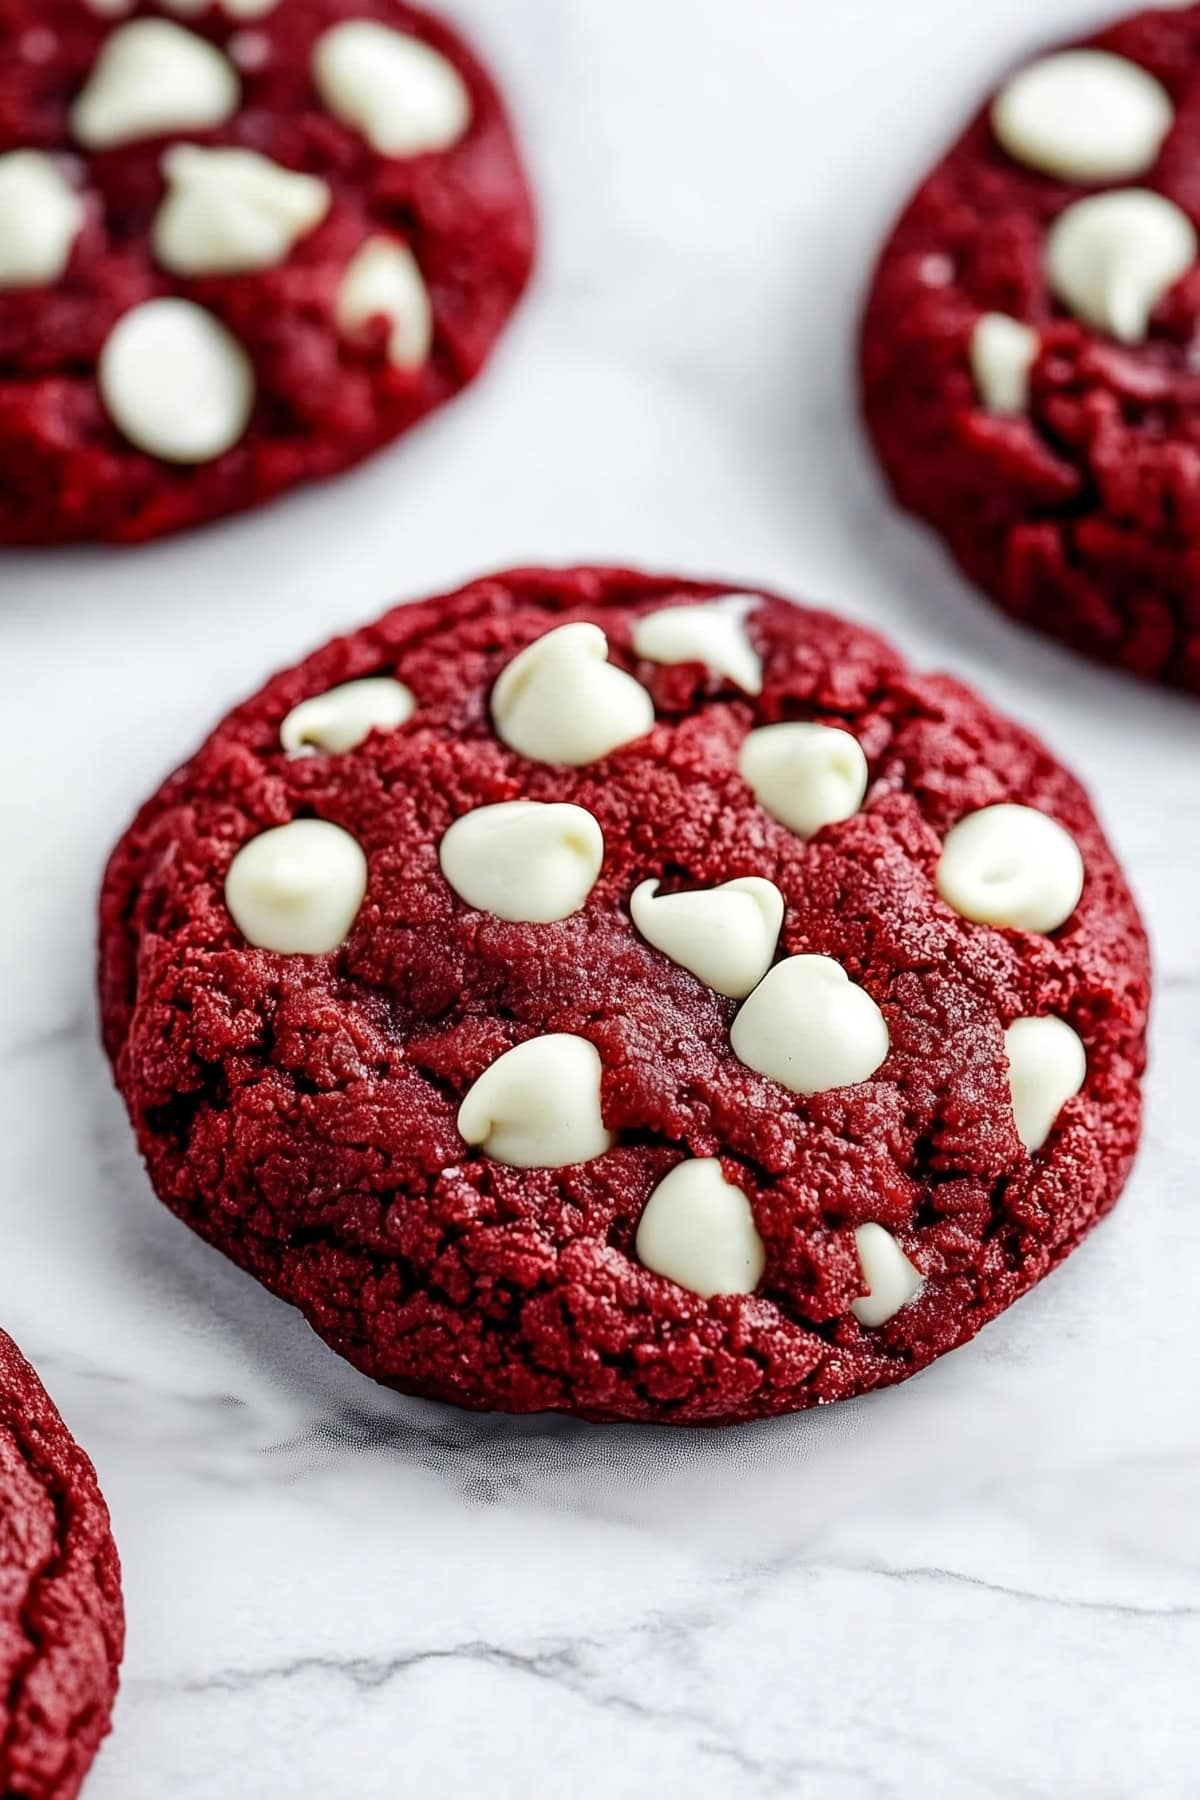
{"x":243,"y":243}
{"x":1028,"y":355}
{"x":602,"y":992}
{"x":62,"y":1625}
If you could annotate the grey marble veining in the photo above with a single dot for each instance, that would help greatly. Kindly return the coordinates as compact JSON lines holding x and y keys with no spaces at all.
{"x":984,"y":1584}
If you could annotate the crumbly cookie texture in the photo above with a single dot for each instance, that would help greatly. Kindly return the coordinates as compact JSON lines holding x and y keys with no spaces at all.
{"x":1028,"y":350}
{"x":62,"y":1626}
{"x":242,"y":246}
{"x":529,"y":1135}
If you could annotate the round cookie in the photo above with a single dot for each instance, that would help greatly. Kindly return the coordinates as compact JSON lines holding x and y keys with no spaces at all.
{"x":674,"y":1008}
{"x":1028,"y":350}
{"x":243,"y":244}
{"x":62,"y":1625}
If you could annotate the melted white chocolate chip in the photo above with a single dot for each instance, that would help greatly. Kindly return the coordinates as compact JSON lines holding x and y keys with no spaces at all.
{"x":1047,"y":1066}
{"x":151,"y":78}
{"x":297,"y":889}
{"x":1013,"y":866}
{"x":724,"y":935}
{"x":404,"y":96}
{"x":1003,"y":352}
{"x":523,"y":860}
{"x":383,"y":280}
{"x":562,"y":701}
{"x":345,"y":716}
{"x":698,"y":1231}
{"x":40,"y":218}
{"x":1083,"y":115}
{"x":1112,"y":258}
{"x":806,"y":776}
{"x":538,"y":1106}
{"x":229,"y":212}
{"x":891,"y":1279}
{"x":811,"y":1028}
{"x":713,"y":633}
{"x":176,"y":382}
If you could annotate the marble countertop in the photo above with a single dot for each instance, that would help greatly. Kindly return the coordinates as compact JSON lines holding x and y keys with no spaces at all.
{"x":983,"y":1584}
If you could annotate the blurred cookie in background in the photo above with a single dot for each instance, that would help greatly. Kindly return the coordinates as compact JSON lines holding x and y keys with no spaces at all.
{"x":1029,"y":364}
{"x":62,"y":1627}
{"x":242,"y":245}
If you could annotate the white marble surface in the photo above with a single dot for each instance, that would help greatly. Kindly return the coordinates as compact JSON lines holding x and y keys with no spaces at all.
{"x":985,"y":1584}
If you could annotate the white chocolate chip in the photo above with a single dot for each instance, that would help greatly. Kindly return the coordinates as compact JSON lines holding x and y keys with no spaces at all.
{"x":404,"y":97}
{"x":808,"y":1026}
{"x":153,"y":77}
{"x":345,"y":716}
{"x":806,"y":776}
{"x":698,"y":1230}
{"x":297,"y":889}
{"x":725,"y":935}
{"x":562,"y":701}
{"x":523,"y":860}
{"x":891,"y":1279}
{"x":176,"y":382}
{"x":1112,"y":258}
{"x":1003,"y":352}
{"x":1047,"y":1066}
{"x":538,"y":1106}
{"x":1084,"y":115}
{"x":383,"y":280}
{"x":40,"y":218}
{"x":713,"y":633}
{"x":228,"y":212}
{"x":1011,"y":865}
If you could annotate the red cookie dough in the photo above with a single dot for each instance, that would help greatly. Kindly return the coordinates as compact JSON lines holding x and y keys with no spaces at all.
{"x":323,"y":403}
{"x":300,"y":1111}
{"x":1081,"y":516}
{"x":62,"y":1625}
